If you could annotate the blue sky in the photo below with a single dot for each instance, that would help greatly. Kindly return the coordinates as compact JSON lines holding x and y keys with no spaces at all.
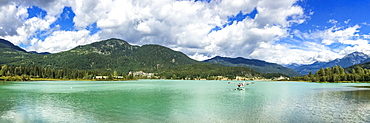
{"x":284,"y":32}
{"x":339,"y":10}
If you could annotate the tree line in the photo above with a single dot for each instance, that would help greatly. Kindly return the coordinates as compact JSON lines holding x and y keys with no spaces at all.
{"x":336,"y":74}
{"x":213,"y":71}
{"x":190,"y":71}
{"x":38,"y":72}
{"x":25,"y":73}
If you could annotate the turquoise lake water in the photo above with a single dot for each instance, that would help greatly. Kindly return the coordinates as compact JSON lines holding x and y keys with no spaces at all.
{"x":182,"y":101}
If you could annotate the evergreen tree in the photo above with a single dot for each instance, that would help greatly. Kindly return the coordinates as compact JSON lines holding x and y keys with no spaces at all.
{"x":310,"y":74}
{"x":359,"y":70}
{"x":337,"y":74}
{"x":321,"y":72}
{"x":341,"y":70}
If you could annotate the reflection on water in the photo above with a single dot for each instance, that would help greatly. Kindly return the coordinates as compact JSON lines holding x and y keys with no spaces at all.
{"x":340,"y":106}
{"x":182,"y":101}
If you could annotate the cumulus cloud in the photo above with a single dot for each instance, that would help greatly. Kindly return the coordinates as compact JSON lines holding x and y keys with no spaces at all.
{"x":187,"y":26}
{"x":331,"y":35}
{"x":287,"y":53}
{"x":28,"y":29}
{"x":181,"y":25}
{"x":17,"y":27}
{"x":11,"y":19}
{"x":319,"y":45}
{"x":63,"y":40}
{"x":360,"y":48}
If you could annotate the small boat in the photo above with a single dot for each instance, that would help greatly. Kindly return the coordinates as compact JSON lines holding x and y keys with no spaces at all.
{"x":240,"y":85}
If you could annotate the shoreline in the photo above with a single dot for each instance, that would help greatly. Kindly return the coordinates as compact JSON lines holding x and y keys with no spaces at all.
{"x":19,"y":78}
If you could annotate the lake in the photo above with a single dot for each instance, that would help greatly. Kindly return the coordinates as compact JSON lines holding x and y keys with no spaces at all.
{"x":182,"y":101}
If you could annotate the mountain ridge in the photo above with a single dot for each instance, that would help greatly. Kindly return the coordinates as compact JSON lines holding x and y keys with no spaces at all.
{"x":10,"y":46}
{"x":11,"y":53}
{"x":346,"y":61}
{"x":118,"y":56}
{"x":151,"y":57}
{"x":365,"y":65}
{"x":257,"y":65}
{"x":112,"y":54}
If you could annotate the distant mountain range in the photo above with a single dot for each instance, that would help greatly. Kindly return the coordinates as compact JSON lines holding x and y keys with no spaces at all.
{"x":107,"y":55}
{"x":257,"y":65}
{"x":347,"y":61}
{"x":118,"y":55}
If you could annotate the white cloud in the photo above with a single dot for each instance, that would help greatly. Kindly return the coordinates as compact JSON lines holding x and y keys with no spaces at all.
{"x":17,"y":28}
{"x":360,"y":48}
{"x":327,"y":41}
{"x":183,"y":25}
{"x":63,"y":40}
{"x":355,"y":42}
{"x":242,"y":39}
{"x":277,"y":12}
{"x":285,"y":54}
{"x":90,"y":12}
{"x":143,"y":27}
{"x":332,"y":21}
{"x":29,"y":28}
{"x":11,"y":19}
{"x":201,"y":57}
{"x":335,"y":34}
{"x":317,"y":45}
{"x":347,"y":21}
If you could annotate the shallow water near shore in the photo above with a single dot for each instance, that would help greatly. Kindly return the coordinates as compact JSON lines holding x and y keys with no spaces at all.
{"x":183,"y":101}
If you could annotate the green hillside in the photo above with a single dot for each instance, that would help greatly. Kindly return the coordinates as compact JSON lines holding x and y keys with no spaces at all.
{"x":111,"y":55}
{"x":10,"y":53}
{"x":115,"y":56}
{"x":257,"y":65}
{"x":363,"y":66}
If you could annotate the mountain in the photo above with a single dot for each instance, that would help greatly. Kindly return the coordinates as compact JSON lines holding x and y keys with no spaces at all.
{"x":10,"y":53}
{"x":346,"y":61}
{"x":8,"y":46}
{"x":365,"y":65}
{"x":257,"y":65}
{"x":109,"y":55}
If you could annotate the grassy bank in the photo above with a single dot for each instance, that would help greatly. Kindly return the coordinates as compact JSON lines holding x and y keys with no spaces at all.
{"x":14,"y":78}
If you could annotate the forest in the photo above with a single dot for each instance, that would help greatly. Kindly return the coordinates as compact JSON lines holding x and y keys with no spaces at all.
{"x":191,"y":71}
{"x":337,"y":74}
{"x":112,"y":58}
{"x":20,"y":73}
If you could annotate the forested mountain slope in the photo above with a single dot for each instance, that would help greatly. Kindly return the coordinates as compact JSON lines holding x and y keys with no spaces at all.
{"x":257,"y":65}
{"x":111,"y":54}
